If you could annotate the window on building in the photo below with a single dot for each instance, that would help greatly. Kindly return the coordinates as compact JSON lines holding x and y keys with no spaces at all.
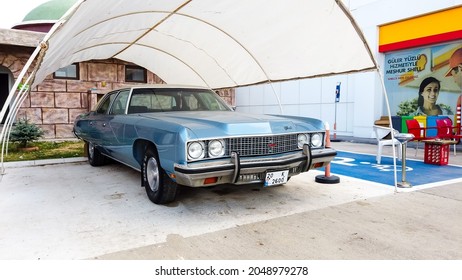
{"x":68,"y":72}
{"x":135,"y":74}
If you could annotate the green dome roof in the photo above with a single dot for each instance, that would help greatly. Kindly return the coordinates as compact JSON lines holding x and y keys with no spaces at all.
{"x":49,"y":11}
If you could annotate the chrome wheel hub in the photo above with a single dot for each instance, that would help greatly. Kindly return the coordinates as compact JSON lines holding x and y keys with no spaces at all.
{"x":91,"y":150}
{"x":152,"y":174}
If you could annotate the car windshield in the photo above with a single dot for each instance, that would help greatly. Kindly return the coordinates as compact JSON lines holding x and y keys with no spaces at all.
{"x":164,"y":100}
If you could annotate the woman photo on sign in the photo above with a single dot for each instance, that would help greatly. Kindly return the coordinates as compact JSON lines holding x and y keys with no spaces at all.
{"x":429,"y":91}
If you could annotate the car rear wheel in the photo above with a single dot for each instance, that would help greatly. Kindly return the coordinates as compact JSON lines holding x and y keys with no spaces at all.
{"x":95,"y":158}
{"x":159,"y":187}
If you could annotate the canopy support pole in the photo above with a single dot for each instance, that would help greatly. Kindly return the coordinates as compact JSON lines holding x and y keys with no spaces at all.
{"x":4,"y":134}
{"x":381,"y":78}
{"x":15,"y":104}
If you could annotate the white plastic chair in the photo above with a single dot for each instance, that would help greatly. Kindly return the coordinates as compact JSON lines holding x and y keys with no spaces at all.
{"x":380,"y":132}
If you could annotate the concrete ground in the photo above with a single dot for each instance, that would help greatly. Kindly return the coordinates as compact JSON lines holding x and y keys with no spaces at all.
{"x":71,"y":210}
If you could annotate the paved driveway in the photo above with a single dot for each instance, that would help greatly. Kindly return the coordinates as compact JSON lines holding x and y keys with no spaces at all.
{"x":75,"y":211}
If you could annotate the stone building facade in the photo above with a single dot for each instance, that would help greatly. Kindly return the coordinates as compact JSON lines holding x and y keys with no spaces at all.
{"x":55,"y":103}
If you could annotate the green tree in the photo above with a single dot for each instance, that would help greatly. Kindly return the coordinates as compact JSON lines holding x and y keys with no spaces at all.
{"x":24,"y":132}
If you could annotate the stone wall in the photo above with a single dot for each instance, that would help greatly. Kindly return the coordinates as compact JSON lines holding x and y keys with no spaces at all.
{"x":55,"y":103}
{"x":228,"y":95}
{"x":14,"y":58}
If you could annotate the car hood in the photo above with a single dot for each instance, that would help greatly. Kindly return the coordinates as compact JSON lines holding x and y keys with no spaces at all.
{"x":218,"y":123}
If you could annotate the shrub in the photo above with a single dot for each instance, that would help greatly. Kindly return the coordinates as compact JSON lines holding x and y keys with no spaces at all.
{"x":24,"y":132}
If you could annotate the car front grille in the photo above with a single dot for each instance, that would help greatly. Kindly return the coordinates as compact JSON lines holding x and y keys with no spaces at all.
{"x":255,"y":146}
{"x":263,"y":145}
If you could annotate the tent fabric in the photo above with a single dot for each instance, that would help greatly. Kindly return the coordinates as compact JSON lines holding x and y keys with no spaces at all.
{"x":217,"y":44}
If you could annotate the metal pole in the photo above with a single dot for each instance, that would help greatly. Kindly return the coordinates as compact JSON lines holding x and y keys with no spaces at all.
{"x":404,"y":138}
{"x":337,"y":100}
{"x":403,"y":153}
{"x":335,"y":122}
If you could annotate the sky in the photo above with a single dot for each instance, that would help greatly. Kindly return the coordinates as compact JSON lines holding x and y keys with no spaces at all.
{"x":13,"y":11}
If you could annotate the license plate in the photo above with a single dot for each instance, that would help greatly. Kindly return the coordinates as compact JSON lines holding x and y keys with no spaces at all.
{"x":276,"y":178}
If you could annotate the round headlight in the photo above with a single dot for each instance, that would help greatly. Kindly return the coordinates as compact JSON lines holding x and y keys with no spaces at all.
{"x":302,"y":140}
{"x":216,"y":148}
{"x":316,"y":140}
{"x":196,"y":150}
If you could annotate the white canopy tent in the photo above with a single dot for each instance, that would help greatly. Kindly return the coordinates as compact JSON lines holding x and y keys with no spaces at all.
{"x":211,"y":43}
{"x":217,"y":44}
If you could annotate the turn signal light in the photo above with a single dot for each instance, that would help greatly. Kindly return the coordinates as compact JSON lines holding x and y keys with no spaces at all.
{"x":211,"y":180}
{"x":318,"y":164}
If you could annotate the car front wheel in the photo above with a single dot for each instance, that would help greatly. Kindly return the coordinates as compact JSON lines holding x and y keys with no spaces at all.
{"x":159,"y":187}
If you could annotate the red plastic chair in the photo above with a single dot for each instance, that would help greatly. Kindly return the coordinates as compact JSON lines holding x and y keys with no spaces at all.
{"x":413,"y":127}
{"x":446,"y":131}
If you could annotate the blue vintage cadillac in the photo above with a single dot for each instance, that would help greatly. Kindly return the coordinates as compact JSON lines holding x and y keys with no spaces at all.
{"x":177,"y":135}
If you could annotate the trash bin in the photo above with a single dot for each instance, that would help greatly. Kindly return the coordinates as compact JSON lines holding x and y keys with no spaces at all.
{"x":423,"y":123}
{"x":431,"y":122}
{"x":396,"y":123}
{"x":403,"y":123}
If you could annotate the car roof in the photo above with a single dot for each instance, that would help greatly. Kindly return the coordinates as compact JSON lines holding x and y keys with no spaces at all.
{"x":160,"y":86}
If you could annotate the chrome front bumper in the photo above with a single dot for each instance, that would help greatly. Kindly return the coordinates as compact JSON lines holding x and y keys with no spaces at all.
{"x":251,"y":170}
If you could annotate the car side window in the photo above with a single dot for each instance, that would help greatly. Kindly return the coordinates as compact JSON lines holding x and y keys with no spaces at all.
{"x":120,"y":103}
{"x":103,"y":107}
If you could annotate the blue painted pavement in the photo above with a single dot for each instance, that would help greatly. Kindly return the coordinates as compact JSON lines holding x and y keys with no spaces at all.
{"x":364,"y":166}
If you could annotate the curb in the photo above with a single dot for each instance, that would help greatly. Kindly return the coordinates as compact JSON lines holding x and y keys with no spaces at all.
{"x":41,"y":162}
